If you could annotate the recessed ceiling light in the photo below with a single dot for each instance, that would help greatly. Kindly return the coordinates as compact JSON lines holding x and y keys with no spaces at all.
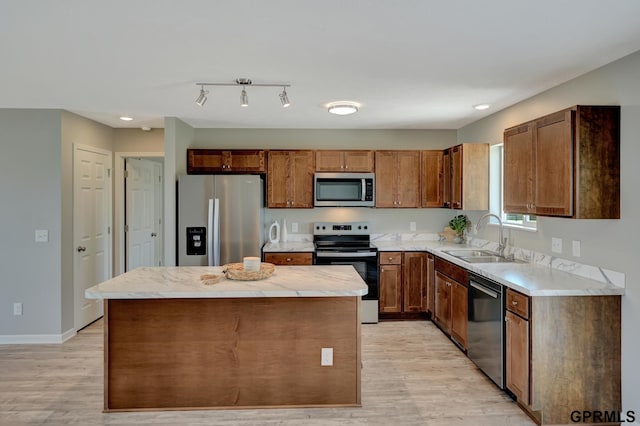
{"x":342,"y":108}
{"x":481,"y":106}
{"x":124,"y":118}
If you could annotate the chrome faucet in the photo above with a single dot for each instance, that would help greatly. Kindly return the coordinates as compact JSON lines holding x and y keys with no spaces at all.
{"x":502,"y":241}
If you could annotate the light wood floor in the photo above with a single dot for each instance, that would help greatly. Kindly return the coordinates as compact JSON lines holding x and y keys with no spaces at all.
{"x":412,"y":375}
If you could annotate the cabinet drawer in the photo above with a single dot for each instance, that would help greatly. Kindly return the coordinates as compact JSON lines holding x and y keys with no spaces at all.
{"x":518,"y":303}
{"x":289,"y":258}
{"x":452,"y":271}
{"x":390,"y":258}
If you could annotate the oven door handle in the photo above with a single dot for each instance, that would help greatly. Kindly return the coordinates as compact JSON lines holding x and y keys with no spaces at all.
{"x":347,"y":254}
{"x":484,"y":290}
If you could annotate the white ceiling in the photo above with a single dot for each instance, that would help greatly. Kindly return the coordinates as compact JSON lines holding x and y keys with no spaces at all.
{"x":412,"y":64}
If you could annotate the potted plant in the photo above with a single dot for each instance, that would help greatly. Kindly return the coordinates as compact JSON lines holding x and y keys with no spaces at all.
{"x":458,"y":224}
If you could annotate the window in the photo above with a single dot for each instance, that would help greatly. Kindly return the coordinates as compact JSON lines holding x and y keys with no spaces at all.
{"x":524,"y":221}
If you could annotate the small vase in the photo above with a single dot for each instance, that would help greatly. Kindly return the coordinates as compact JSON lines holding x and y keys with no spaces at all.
{"x":458,"y":239}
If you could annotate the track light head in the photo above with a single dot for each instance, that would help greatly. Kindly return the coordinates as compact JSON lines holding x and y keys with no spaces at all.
{"x":202,"y":97}
{"x":284,"y":98}
{"x":244,"y":99}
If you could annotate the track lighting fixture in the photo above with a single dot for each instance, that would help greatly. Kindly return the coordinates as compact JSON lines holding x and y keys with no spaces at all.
{"x":202,"y":97}
{"x":284,"y":98}
{"x":244,"y":98}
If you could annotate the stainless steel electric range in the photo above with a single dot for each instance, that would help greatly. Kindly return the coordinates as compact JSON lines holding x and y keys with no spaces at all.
{"x":350,"y":244}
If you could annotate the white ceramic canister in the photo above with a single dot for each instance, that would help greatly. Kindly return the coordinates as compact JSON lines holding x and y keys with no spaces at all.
{"x":274,"y":232}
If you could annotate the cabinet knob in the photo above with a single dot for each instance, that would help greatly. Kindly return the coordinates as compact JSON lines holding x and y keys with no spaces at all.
{"x":514,"y":303}
{"x":289,"y":259}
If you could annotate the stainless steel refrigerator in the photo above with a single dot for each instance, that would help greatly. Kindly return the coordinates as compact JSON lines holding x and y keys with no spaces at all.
{"x":220,"y":218}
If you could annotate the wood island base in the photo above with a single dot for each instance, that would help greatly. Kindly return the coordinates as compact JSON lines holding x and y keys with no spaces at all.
{"x":211,"y":353}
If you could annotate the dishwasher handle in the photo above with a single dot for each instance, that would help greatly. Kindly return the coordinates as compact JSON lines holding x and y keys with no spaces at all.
{"x":484,"y":289}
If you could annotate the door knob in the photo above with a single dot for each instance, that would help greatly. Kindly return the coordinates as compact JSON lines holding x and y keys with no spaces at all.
{"x":153,"y":234}
{"x":80,"y":249}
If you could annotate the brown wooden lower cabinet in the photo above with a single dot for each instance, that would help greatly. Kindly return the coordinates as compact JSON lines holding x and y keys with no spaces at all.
{"x":517,"y":356}
{"x":403,"y":282}
{"x":563,"y":354}
{"x":287,"y":258}
{"x":450,"y":307}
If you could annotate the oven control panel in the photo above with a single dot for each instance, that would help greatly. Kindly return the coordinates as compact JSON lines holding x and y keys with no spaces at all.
{"x":347,"y":228}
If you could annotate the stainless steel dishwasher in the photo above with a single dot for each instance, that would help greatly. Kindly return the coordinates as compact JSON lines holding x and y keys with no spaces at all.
{"x":485,"y":332}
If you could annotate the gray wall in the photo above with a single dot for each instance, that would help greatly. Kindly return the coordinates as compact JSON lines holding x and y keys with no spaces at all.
{"x":136,"y":140}
{"x":30,"y":177}
{"x":610,"y":244}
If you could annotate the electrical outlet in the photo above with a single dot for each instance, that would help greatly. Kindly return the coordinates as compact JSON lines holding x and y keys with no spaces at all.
{"x":42,"y":236}
{"x":326,"y":357}
{"x":294,"y":226}
{"x":556,"y":245}
{"x":412,"y":226}
{"x":576,"y":248}
{"x":17,"y":308}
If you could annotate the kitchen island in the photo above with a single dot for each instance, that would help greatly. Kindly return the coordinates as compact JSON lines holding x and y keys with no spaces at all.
{"x":172,"y":342}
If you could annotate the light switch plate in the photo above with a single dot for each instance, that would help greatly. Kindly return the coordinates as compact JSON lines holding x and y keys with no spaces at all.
{"x":576,"y":248}
{"x":326,"y":357}
{"x":294,"y":226}
{"x":556,"y":245}
{"x":17,"y":308}
{"x":412,"y":226}
{"x":42,"y":236}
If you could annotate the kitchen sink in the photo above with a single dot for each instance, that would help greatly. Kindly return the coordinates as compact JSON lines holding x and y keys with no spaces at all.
{"x":480,"y":256}
{"x":470,"y":253}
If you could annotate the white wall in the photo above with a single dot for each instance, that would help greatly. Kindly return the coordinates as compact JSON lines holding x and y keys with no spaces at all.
{"x":611,"y":244}
{"x":30,"y":176}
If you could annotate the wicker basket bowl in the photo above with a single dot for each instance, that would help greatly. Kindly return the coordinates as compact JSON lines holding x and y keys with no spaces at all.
{"x":236,"y":271}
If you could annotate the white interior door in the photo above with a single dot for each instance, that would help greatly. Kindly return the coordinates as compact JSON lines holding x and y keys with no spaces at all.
{"x":91,"y":229}
{"x":140,"y":231}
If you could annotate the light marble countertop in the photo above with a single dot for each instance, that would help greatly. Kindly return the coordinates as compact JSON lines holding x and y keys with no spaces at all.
{"x":534,"y":275}
{"x":290,"y":246}
{"x":531,"y":278}
{"x":184,"y":282}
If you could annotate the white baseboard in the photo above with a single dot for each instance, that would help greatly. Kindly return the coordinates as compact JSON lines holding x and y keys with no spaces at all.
{"x":36,"y":339}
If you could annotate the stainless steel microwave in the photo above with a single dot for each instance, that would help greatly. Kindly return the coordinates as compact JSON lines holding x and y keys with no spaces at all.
{"x":344,"y":189}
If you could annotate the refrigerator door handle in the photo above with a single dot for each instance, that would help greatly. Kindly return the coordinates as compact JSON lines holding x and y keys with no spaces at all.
{"x":210,"y":233}
{"x":216,"y":233}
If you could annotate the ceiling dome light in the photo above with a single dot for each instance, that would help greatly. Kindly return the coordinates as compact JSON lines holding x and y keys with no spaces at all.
{"x":481,"y":107}
{"x":124,"y":118}
{"x":342,"y":108}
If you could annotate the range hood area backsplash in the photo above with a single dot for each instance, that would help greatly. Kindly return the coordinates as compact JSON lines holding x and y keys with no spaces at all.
{"x":382,"y":220}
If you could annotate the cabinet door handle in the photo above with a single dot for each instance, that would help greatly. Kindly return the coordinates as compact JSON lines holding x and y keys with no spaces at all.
{"x":289,"y":259}
{"x":514,"y":303}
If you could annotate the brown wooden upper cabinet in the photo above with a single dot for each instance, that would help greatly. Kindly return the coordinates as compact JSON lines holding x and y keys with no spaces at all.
{"x":431,"y":178}
{"x":397,"y":179}
{"x":204,"y":161}
{"x":466,"y":176}
{"x":290,"y":179}
{"x":565,"y":164}
{"x":344,"y":161}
